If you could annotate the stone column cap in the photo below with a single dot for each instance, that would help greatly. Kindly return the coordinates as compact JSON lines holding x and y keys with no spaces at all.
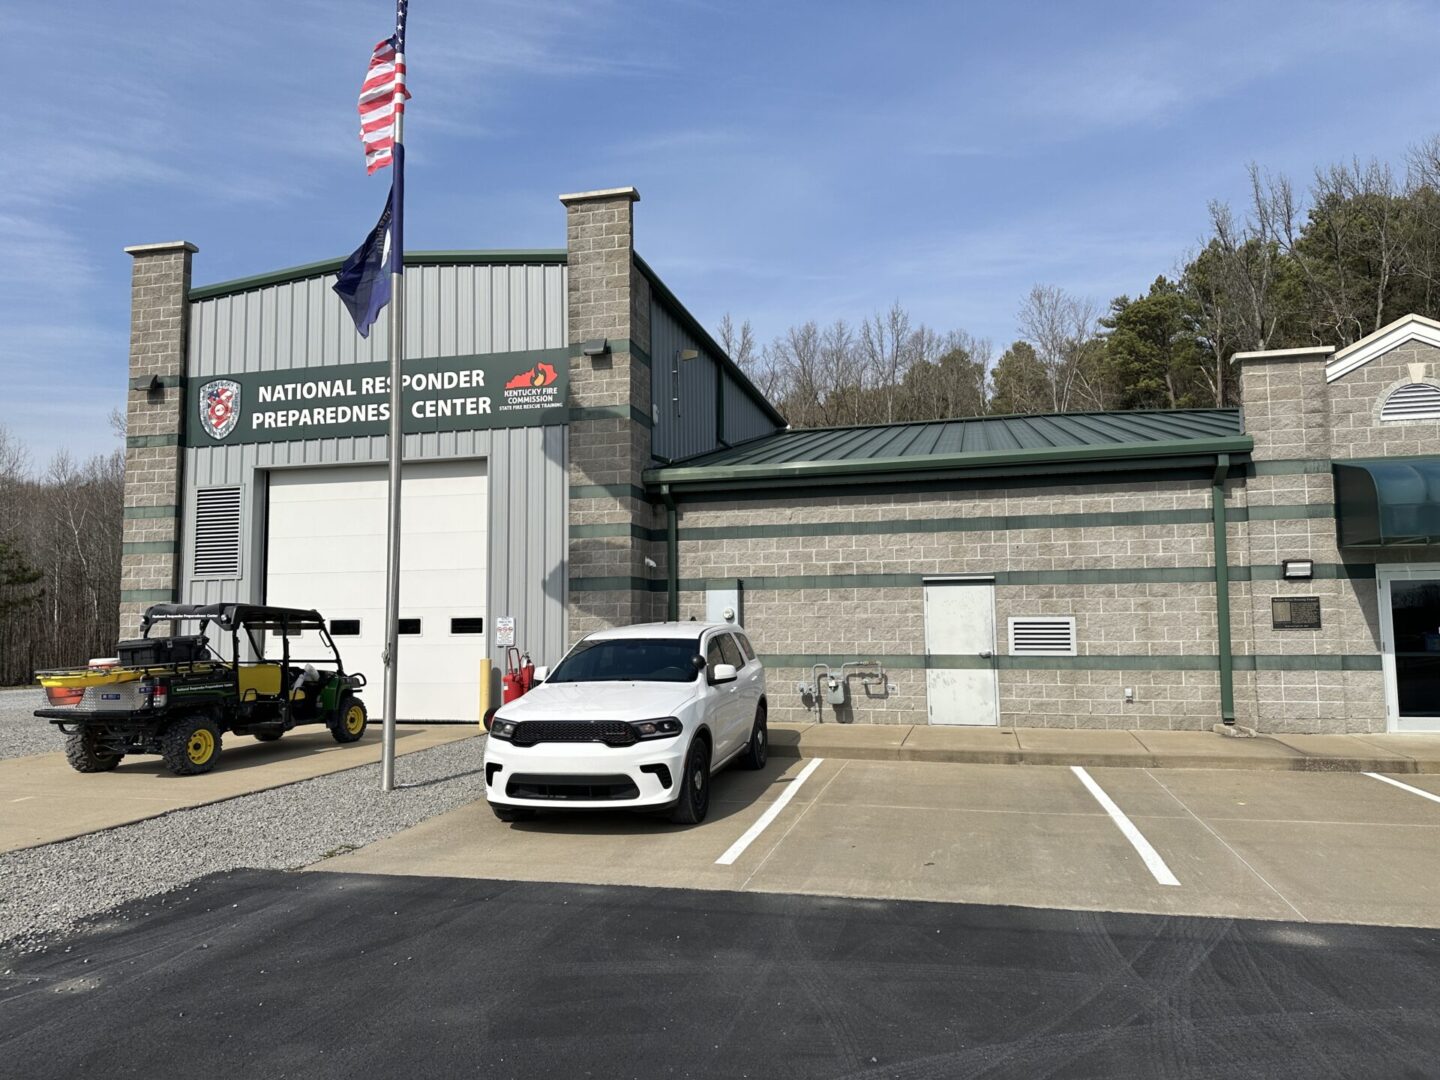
{"x":155,"y":249}
{"x":602,"y":193}
{"x":1283,"y":354}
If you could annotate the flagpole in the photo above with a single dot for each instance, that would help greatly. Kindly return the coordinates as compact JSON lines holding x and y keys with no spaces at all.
{"x":397,"y":453}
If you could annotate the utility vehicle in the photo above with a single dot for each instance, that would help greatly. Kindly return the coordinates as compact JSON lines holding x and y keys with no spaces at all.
{"x":177,"y":695}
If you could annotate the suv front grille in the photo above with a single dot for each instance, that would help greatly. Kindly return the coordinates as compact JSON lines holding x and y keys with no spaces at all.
{"x":609,"y":732}
{"x":578,"y":788}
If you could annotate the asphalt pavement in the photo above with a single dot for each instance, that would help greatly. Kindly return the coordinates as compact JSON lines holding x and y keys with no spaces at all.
{"x":263,"y":973}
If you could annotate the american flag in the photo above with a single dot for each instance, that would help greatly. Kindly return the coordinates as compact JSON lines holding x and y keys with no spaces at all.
{"x":382,"y":98}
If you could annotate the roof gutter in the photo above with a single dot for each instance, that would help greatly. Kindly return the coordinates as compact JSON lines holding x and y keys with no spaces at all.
{"x":1142,"y":455}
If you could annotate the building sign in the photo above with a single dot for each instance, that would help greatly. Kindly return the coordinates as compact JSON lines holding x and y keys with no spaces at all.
{"x":454,"y":393}
{"x":1295,"y":613}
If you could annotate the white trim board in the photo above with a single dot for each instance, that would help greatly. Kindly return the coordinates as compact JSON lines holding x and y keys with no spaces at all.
{"x":1401,"y":332}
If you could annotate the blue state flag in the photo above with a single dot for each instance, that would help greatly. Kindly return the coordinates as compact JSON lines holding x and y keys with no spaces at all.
{"x":364,"y":282}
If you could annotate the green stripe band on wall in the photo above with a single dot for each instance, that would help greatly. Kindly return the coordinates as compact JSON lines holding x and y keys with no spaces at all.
{"x":1156,"y":575}
{"x":150,"y":547}
{"x":638,"y":532}
{"x":152,"y":440}
{"x":607,"y":491}
{"x":615,"y":584}
{"x":611,"y":412}
{"x":915,"y":662}
{"x":1290,"y":466}
{"x":151,"y":511}
{"x":150,"y":596}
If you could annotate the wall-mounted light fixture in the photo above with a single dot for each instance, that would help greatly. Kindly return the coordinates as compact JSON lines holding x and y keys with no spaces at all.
{"x":595,"y":347}
{"x":1297,"y":569}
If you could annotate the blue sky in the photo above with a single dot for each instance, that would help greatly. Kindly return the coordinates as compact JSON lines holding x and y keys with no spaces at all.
{"x":796,"y":160}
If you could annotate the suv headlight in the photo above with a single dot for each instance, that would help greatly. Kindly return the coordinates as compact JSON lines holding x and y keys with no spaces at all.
{"x":664,"y":728}
{"x":502,"y":729}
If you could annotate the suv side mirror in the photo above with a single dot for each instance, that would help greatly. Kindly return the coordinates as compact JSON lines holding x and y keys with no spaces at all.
{"x":723,"y":673}
{"x":541,"y":674}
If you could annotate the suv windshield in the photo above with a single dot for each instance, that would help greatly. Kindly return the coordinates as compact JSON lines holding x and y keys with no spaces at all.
{"x":630,"y":660}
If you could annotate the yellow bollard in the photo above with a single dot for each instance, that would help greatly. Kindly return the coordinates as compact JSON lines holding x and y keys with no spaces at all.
{"x":484,"y":691}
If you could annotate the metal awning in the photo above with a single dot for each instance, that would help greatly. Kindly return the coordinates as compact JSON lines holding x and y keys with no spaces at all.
{"x":1388,"y":502}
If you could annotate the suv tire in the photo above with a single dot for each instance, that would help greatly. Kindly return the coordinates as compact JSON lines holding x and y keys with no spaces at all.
{"x":190,"y":744}
{"x":757,"y":750}
{"x":694,"y":801}
{"x":349,"y":721}
{"x":84,"y":755}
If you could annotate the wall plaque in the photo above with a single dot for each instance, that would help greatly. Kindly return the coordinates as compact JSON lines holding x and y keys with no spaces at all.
{"x":1295,"y":612}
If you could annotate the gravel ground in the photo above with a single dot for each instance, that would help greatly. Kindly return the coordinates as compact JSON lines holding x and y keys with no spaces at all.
{"x":53,"y":888}
{"x":21,"y":732}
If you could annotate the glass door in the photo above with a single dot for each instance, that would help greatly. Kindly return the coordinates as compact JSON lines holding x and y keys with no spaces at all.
{"x":1410,"y":631}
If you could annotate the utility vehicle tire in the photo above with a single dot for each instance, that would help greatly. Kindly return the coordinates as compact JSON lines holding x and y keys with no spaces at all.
{"x":694,"y":801}
{"x":757,"y":751}
{"x":84,"y":755}
{"x":268,"y":736}
{"x":348,"y":723}
{"x":190,"y":745}
{"x":513,"y":813}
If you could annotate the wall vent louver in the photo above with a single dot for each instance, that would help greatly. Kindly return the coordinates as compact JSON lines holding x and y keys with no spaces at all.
{"x":1040,"y":635}
{"x":1414,"y":401}
{"x":217,"y":532}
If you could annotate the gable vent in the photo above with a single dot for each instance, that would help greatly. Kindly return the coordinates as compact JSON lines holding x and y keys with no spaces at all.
{"x":1042,"y":636}
{"x":1416,"y":401}
{"x":217,"y":532}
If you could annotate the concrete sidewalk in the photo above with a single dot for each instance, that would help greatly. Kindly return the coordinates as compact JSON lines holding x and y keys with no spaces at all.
{"x":1414,"y":753}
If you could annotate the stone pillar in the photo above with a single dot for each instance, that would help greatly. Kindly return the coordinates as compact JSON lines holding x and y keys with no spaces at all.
{"x":609,"y":299}
{"x":155,"y":429}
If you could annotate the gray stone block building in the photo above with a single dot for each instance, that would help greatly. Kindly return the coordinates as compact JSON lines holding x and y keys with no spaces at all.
{"x":580,"y":453}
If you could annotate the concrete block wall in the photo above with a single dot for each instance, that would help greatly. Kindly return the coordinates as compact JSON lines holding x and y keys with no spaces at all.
{"x":1131,"y":561}
{"x":155,"y":424}
{"x":610,"y":419}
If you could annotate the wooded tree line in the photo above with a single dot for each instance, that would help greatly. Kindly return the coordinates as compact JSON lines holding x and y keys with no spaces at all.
{"x":59,"y":560}
{"x":1356,"y":249}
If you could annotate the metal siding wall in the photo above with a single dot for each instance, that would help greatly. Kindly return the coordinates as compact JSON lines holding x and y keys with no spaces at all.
{"x":693,"y":431}
{"x":303,"y":325}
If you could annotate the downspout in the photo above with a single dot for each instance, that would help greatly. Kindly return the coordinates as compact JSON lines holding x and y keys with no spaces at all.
{"x":1222,"y":589}
{"x":720,"y":406}
{"x":672,"y":556}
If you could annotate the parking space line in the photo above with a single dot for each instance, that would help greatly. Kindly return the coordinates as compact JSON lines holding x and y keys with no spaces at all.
{"x":1153,"y":861}
{"x":738,"y":848}
{"x":1406,"y":787}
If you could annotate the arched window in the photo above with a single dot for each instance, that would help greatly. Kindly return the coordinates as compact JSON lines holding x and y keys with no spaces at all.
{"x":1414,"y":401}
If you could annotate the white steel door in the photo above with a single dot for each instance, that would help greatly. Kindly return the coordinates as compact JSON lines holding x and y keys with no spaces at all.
{"x":1410,"y":645}
{"x":326,"y":550}
{"x":961,"y":680}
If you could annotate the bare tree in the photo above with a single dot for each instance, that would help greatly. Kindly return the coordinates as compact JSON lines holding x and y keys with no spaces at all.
{"x":1060,"y":327}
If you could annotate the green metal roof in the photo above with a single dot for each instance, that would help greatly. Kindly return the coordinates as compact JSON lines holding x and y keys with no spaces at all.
{"x":1388,"y":502}
{"x":1155,"y":437}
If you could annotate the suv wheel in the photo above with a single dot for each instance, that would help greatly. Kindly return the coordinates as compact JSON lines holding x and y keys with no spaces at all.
{"x":757,"y":752}
{"x":190,"y":745}
{"x":694,"y":801}
{"x":84,"y":754}
{"x":349,"y":721}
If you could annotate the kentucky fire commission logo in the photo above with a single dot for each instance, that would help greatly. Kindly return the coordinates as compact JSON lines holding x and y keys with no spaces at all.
{"x":536,"y":387}
{"x":219,"y":407}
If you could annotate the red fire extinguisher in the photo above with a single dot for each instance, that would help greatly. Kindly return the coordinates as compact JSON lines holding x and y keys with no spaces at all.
{"x":519,"y":677}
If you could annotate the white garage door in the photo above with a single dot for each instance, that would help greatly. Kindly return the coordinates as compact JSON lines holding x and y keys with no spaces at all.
{"x":326,"y":550}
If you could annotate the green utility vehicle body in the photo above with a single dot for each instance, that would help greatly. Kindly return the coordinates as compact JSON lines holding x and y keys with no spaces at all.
{"x":176,"y":694}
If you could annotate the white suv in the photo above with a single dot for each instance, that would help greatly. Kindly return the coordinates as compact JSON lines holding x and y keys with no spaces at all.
{"x":634,"y":717}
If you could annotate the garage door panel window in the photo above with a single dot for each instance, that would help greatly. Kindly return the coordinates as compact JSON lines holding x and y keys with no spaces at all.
{"x":408,"y":626}
{"x":467,"y":625}
{"x":344,"y":628}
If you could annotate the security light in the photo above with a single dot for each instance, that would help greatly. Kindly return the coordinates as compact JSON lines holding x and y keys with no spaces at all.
{"x":1298,"y":569}
{"x":688,"y":354}
{"x":595,"y":347}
